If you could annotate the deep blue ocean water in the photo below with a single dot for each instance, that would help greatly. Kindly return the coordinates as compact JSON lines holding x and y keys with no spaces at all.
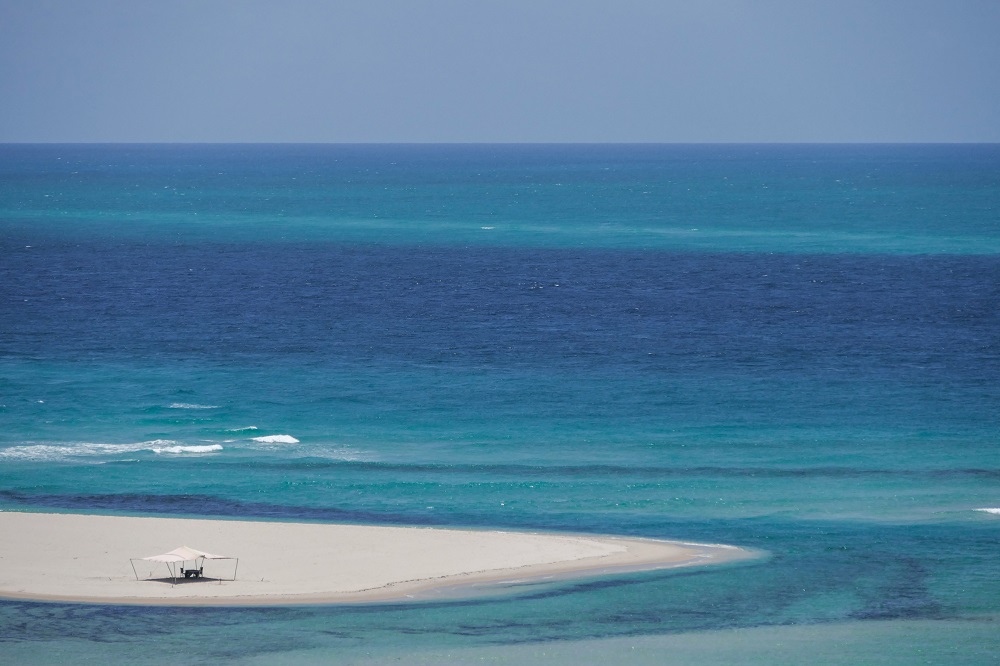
{"x":790,"y":348}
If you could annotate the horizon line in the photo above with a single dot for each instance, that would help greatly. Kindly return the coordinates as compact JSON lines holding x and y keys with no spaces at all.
{"x":499,"y":143}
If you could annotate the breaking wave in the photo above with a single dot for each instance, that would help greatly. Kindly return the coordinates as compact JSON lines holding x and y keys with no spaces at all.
{"x":276,"y":439}
{"x":56,"y":452}
{"x":206,"y":448}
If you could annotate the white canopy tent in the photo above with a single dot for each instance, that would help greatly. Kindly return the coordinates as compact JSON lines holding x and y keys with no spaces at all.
{"x":181,"y":556}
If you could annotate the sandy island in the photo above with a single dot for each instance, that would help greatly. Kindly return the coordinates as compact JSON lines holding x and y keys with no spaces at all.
{"x":86,"y":558}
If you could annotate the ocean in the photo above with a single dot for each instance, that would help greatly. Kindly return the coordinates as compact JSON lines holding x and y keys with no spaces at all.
{"x":791,"y":348}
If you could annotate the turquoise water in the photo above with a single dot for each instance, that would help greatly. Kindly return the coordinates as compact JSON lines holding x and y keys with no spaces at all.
{"x":789,"y":348}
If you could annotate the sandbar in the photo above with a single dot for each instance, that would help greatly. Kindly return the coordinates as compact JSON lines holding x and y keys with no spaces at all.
{"x":88,"y":558}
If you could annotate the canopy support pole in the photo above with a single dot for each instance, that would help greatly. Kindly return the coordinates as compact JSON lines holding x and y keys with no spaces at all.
{"x":132,"y":562}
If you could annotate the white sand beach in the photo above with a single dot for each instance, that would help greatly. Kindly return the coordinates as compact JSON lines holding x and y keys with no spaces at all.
{"x":86,"y":558}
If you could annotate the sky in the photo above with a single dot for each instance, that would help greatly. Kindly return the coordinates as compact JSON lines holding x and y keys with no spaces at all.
{"x":471,"y":71}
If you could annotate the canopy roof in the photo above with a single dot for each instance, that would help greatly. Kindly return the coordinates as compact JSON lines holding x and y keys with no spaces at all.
{"x":185,"y":554}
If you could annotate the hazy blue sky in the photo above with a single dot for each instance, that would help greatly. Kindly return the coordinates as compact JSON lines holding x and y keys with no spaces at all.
{"x":505,"y":70}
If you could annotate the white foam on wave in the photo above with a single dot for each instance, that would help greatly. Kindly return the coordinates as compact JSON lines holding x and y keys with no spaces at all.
{"x":206,"y":448}
{"x":56,"y":452}
{"x":188,"y":405}
{"x":994,"y":511}
{"x":50,"y":452}
{"x":276,"y":439}
{"x":243,"y":429}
